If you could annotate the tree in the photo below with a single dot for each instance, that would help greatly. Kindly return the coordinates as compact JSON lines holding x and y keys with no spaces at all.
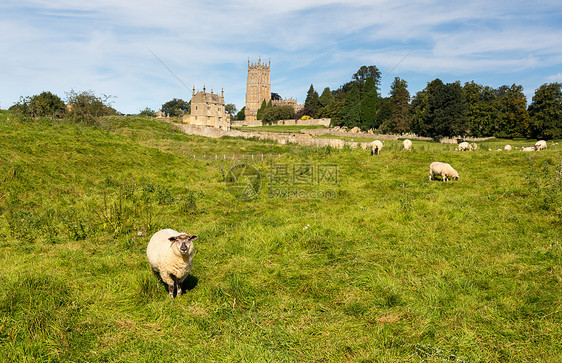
{"x":176,"y":107}
{"x":87,"y":107}
{"x":368,"y":107}
{"x":351,"y":113}
{"x":326,"y":97}
{"x":312,"y":101}
{"x":512,"y":118}
{"x":546,"y":112}
{"x":399,"y":121}
{"x":241,"y":115}
{"x":276,"y":113}
{"x":441,"y":110}
{"x":230,"y":108}
{"x":261,"y":110}
{"x":147,"y":112}
{"x":366,"y":72}
{"x":481,"y":109}
{"x":45,"y":104}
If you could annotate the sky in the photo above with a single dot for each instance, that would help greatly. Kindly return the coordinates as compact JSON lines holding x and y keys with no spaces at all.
{"x":144,"y":53}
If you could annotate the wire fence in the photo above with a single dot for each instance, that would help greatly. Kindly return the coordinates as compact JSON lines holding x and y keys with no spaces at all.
{"x":235,"y":156}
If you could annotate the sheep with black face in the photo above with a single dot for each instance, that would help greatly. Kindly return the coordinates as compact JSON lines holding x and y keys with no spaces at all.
{"x":170,"y":255}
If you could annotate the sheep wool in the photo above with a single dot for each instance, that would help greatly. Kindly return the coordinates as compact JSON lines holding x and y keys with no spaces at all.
{"x":376,"y":147}
{"x":170,"y":255}
{"x":407,"y":144}
{"x":540,"y":145}
{"x":444,"y":170}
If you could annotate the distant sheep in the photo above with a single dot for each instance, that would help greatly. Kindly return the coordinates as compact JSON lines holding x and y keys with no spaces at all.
{"x":376,"y":147}
{"x":507,"y":147}
{"x":540,"y":145}
{"x":464,"y":146}
{"x":445,"y":170}
{"x":530,"y":148}
{"x":407,"y":144}
{"x":170,"y":255}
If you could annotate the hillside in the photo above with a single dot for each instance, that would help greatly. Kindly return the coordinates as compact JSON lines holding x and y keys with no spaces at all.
{"x":378,"y":265}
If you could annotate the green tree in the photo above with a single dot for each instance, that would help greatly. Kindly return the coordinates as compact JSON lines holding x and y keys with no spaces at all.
{"x":366,"y":72}
{"x":351,"y":114}
{"x":368,"y":105}
{"x":441,"y":110}
{"x":241,"y":115}
{"x":481,"y":109}
{"x":512,"y":117}
{"x":176,"y":107}
{"x":147,"y":112}
{"x":546,"y":112}
{"x":45,"y":104}
{"x":261,"y":110}
{"x":87,"y":107}
{"x":399,"y":121}
{"x":312,"y":101}
{"x":326,"y":98}
{"x":230,"y":108}
{"x":276,"y":113}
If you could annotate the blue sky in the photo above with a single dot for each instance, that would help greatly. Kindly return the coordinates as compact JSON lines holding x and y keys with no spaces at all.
{"x":105,"y":45}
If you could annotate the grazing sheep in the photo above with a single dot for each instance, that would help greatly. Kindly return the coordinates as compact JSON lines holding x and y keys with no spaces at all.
{"x":376,"y":147}
{"x":407,"y":144}
{"x":530,"y":148}
{"x":507,"y":147}
{"x":445,"y":170}
{"x":540,"y":145}
{"x":170,"y":255}
{"x":464,"y":146}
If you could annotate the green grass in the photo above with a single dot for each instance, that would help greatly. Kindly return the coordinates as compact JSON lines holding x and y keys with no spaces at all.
{"x":395,"y":268}
{"x":279,"y":128}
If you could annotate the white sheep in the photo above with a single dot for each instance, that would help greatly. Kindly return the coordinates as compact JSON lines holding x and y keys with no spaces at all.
{"x":507,"y":147}
{"x":540,"y":145}
{"x":376,"y":147}
{"x":530,"y":148}
{"x":464,"y":146}
{"x":407,"y":144}
{"x":445,"y":170}
{"x":170,"y":255}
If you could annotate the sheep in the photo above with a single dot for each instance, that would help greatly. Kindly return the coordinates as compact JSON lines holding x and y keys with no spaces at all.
{"x":540,"y":145}
{"x":445,"y":170}
{"x":464,"y":146}
{"x":170,"y":255}
{"x":407,"y":144}
{"x":529,"y":148}
{"x":507,"y":147}
{"x":376,"y":147}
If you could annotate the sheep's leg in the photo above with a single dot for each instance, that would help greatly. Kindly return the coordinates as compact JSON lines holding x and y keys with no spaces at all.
{"x":169,"y":280}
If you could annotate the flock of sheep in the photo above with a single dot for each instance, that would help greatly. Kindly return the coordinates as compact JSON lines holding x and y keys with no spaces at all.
{"x":170,"y":253}
{"x":444,"y":170}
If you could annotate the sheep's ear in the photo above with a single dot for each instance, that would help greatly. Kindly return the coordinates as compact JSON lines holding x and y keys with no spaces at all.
{"x":192,"y":237}
{"x":173,"y":239}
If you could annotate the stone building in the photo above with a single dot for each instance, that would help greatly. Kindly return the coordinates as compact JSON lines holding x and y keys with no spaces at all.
{"x":258,"y":88}
{"x":207,"y":109}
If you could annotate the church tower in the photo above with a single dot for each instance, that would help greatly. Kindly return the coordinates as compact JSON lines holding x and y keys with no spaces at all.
{"x":258,"y":88}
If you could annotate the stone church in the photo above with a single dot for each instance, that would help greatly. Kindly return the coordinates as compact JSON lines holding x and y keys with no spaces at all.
{"x":258,"y":89}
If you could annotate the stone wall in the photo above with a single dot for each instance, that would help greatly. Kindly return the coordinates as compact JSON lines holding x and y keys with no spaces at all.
{"x":313,"y":122}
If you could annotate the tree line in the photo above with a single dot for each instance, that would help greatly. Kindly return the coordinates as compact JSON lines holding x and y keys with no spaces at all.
{"x":439,"y":110}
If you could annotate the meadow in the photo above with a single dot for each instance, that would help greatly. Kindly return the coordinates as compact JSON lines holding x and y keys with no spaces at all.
{"x":341,"y":257}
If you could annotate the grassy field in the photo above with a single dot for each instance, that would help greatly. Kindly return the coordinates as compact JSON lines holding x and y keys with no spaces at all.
{"x":378,"y":264}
